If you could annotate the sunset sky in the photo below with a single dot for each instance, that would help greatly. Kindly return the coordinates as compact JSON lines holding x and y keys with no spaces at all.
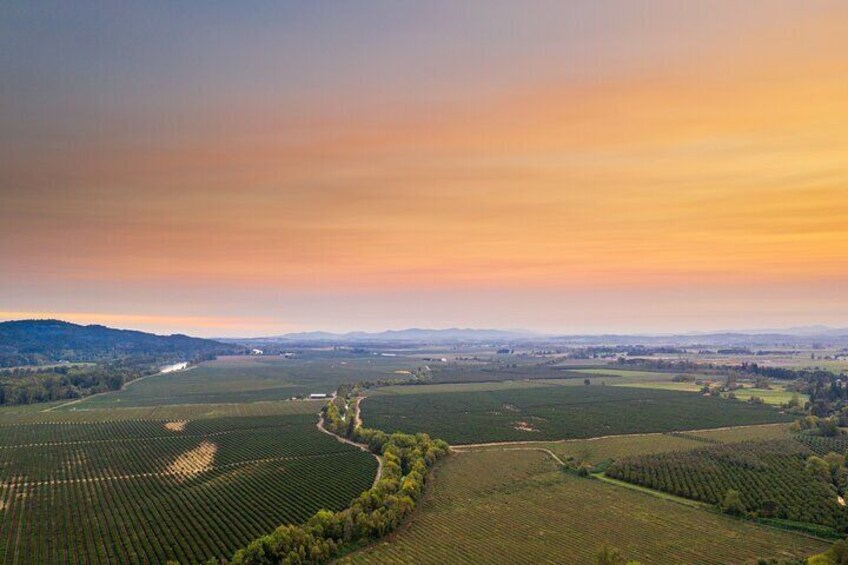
{"x":255,"y":168}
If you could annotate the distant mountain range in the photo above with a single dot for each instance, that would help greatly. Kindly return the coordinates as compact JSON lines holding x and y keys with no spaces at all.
{"x":30,"y":342}
{"x":412,"y":335}
{"x":793,"y":336}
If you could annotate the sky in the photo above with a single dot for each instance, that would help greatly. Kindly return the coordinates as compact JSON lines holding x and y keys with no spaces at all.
{"x":256,"y":168}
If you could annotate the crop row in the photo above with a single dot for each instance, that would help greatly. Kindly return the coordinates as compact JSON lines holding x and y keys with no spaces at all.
{"x":556,"y":412}
{"x":513,"y":507}
{"x":93,"y":502}
{"x":822,"y":445}
{"x":114,"y":459}
{"x":769,"y":475}
{"x":133,"y":430}
{"x":144,"y":520}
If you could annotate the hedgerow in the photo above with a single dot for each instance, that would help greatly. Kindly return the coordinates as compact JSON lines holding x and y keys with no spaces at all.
{"x":377,"y":511}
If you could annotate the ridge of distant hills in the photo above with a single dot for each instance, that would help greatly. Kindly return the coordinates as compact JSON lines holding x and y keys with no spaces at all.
{"x":417,"y":335}
{"x":32,"y":342}
{"x":791,"y":336}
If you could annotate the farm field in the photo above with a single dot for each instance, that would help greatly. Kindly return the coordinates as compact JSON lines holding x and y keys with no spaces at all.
{"x":510,"y":368}
{"x":605,"y":449}
{"x":823,"y":445}
{"x":36,"y":413}
{"x":769,"y":475}
{"x":775,"y":397}
{"x":252,"y":379}
{"x":517,"y":507}
{"x":556,"y":412}
{"x":745,"y":433}
{"x":632,"y":376}
{"x":106,"y":490}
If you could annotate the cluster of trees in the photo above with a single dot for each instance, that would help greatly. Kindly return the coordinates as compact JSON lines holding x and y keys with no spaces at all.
{"x":87,"y":359}
{"x":830,"y":469}
{"x":828,"y":391}
{"x":29,"y":385}
{"x":407,"y":460}
{"x":814,"y":425}
{"x":39,"y":342}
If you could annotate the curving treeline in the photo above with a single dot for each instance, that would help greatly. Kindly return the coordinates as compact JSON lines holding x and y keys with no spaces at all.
{"x":377,"y":511}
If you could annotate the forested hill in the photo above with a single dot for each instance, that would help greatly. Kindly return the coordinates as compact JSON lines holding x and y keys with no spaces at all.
{"x":33,"y":342}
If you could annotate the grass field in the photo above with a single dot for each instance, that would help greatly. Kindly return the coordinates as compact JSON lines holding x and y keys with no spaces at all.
{"x":516,"y":507}
{"x":106,"y":490}
{"x":252,"y":379}
{"x":555,"y":412}
{"x":663,"y":381}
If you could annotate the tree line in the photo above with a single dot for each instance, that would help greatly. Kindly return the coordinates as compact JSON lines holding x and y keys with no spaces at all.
{"x":407,"y":460}
{"x":31,"y":385}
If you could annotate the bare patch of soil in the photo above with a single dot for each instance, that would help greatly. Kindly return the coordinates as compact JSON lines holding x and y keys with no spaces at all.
{"x":194,"y":461}
{"x":524,"y":427}
{"x":177,"y":426}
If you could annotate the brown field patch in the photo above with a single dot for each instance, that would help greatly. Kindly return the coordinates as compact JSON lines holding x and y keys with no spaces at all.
{"x":176,"y":426}
{"x":524,"y":427}
{"x":194,"y":461}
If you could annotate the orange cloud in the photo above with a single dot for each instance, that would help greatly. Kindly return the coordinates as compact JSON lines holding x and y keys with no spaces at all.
{"x":729,"y":169}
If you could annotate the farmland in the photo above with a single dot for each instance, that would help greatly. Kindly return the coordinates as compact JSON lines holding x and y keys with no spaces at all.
{"x":198,"y":463}
{"x":516,"y":507}
{"x":769,"y":475}
{"x":251,"y":379}
{"x":491,"y":370}
{"x":554,"y":412}
{"x":107,"y":489}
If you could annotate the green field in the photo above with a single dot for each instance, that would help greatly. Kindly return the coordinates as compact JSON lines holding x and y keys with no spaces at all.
{"x":605,"y":449}
{"x":746,"y":433}
{"x":632,"y":376}
{"x":516,"y":507}
{"x":764,"y":473}
{"x":35,"y":413}
{"x":555,"y":412}
{"x":664,"y":381}
{"x":775,"y":397}
{"x":107,"y":490}
{"x":252,"y":379}
{"x":824,"y":445}
{"x":196,"y":464}
{"x":497,"y":369}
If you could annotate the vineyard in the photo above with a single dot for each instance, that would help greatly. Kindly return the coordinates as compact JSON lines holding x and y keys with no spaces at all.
{"x":746,"y":433}
{"x":142,"y":491}
{"x":823,"y":445}
{"x":555,"y":412}
{"x":769,"y":475}
{"x":515,"y":507}
{"x":36,"y":414}
{"x":252,"y":379}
